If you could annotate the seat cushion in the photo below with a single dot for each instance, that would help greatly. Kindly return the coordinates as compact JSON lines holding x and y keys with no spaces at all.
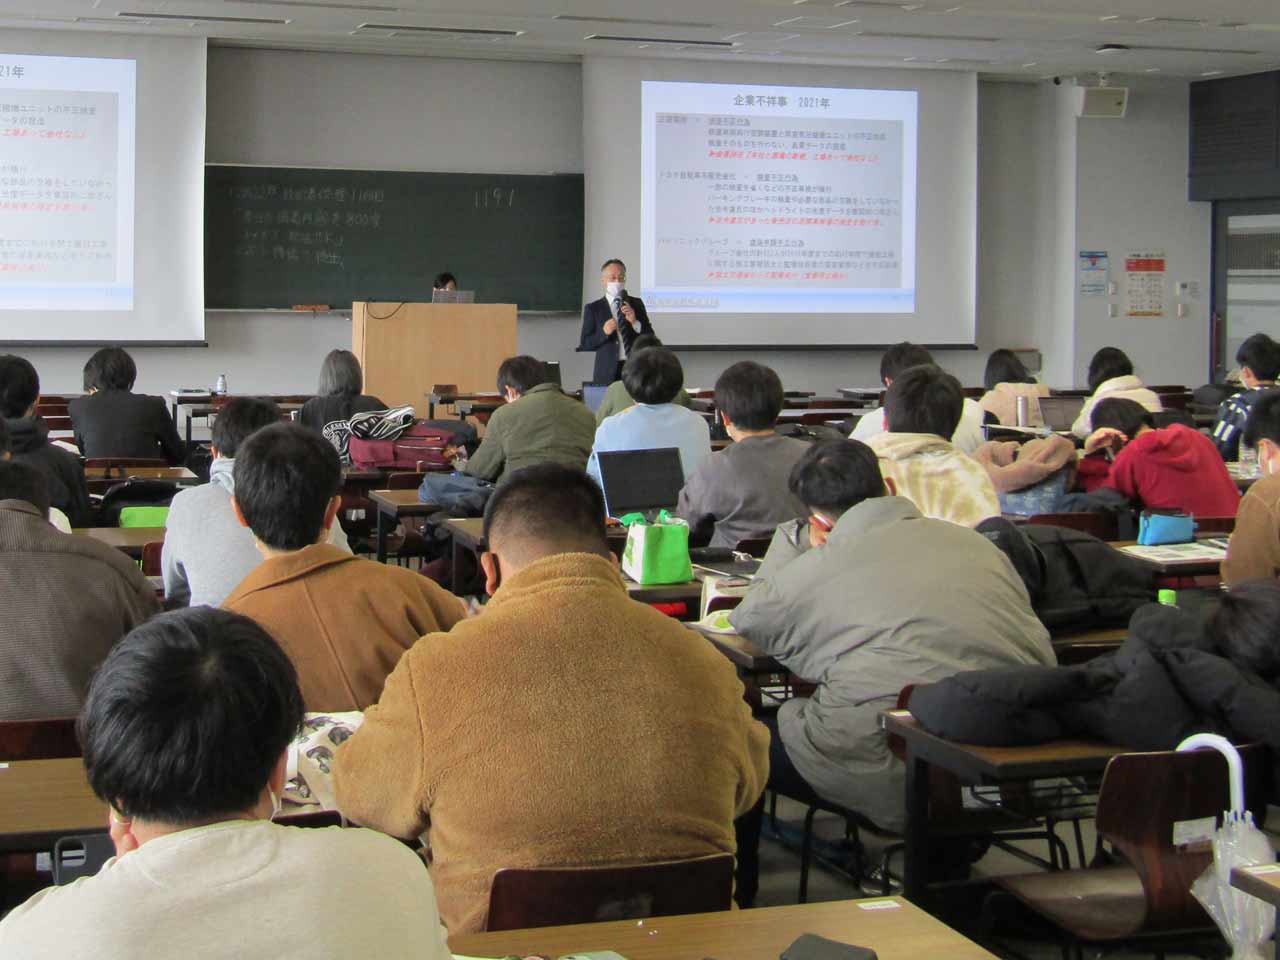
{"x":1103,"y":904}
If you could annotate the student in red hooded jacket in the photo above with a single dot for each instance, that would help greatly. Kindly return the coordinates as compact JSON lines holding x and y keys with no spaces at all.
{"x":1174,"y":467}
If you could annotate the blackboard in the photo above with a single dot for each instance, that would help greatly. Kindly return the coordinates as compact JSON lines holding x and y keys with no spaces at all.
{"x":276,"y":237}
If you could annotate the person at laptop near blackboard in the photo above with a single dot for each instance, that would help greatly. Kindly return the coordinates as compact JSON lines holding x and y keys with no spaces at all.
{"x":445,"y":281}
{"x":611,"y":324}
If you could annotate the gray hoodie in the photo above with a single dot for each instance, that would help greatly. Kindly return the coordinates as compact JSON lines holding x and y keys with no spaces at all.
{"x":206,"y":550}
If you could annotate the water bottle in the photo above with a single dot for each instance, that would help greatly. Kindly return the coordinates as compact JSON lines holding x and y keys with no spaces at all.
{"x":1022,"y":408}
{"x":220,"y":388}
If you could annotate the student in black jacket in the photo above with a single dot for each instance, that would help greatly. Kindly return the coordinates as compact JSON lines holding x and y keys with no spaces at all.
{"x":112,"y":421}
{"x":29,"y":440}
{"x":339,"y":395}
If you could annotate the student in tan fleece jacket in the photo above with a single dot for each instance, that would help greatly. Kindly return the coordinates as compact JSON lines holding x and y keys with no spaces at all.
{"x":343,"y":621}
{"x":1254,"y":550}
{"x":923,"y":407}
{"x":566,"y":725}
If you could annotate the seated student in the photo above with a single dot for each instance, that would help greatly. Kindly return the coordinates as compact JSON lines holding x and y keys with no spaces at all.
{"x":652,"y":377}
{"x":29,"y":441}
{"x":1175,"y":467}
{"x":867,"y":596}
{"x":968,"y":435}
{"x":343,"y":621}
{"x":1254,"y":550}
{"x":445,"y":281}
{"x":67,"y":600}
{"x":206,"y":549}
{"x":56,"y":516}
{"x":339,"y":395}
{"x":1005,"y":380}
{"x":616,"y":398}
{"x":921,"y":408}
{"x":741,"y":491}
{"x":651,"y":757}
{"x":1111,"y":375}
{"x":538,"y":424}
{"x":192,"y":782}
{"x":113,"y":421}
{"x":1259,"y":359}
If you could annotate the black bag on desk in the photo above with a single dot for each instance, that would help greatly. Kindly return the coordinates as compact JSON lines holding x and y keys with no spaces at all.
{"x":810,"y":946}
{"x":1074,"y":580}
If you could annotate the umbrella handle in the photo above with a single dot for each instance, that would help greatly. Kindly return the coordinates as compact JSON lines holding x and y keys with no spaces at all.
{"x":1234,"y":770}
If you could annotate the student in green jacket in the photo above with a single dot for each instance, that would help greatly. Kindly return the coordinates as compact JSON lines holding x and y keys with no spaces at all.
{"x":616,"y":399}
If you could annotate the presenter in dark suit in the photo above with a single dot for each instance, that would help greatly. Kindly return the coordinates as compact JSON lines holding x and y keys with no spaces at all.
{"x":611,"y":324}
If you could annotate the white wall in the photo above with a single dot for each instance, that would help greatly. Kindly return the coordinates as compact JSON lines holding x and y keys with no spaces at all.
{"x":1132,"y":195}
{"x":328,"y":109}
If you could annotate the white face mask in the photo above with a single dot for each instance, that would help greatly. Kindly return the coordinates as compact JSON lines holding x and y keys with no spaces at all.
{"x":614,"y":288}
{"x":276,"y":804}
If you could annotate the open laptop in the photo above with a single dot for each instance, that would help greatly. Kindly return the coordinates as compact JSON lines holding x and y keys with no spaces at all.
{"x":453,"y":296}
{"x":1060,"y":412}
{"x":593,"y":395}
{"x":640,"y":481}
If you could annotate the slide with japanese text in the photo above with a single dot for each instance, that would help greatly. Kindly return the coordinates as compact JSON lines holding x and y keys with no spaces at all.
{"x":66,"y":183}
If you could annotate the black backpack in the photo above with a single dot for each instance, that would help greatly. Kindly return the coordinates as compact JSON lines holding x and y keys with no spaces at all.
{"x":1074,"y":580}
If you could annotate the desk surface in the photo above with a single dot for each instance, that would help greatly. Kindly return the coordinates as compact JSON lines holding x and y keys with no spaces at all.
{"x":401,"y":503}
{"x":975,"y":764}
{"x":129,"y":539}
{"x":1262,"y":882}
{"x":893,"y":928}
{"x":119,"y":474}
{"x":48,"y":797}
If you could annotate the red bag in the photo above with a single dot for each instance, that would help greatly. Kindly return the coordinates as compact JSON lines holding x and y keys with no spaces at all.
{"x":420,"y":447}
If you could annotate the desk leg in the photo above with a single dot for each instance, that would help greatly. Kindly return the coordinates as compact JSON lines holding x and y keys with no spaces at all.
{"x":175,"y":410}
{"x":915,"y":867}
{"x":382,"y":536}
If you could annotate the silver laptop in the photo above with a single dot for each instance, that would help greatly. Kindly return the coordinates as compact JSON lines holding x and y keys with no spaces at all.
{"x":453,"y":296}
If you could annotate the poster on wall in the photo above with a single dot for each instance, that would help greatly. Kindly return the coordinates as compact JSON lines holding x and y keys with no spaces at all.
{"x":1095,"y":269}
{"x":1144,"y":283}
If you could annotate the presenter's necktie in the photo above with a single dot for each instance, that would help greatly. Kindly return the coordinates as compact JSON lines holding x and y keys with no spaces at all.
{"x":623,"y":327}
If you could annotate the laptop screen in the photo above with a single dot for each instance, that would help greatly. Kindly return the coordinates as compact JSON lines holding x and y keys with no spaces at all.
{"x":1060,"y":412}
{"x":640,"y":480}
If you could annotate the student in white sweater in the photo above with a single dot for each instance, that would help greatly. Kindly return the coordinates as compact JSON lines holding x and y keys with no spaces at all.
{"x":1111,"y":375}
{"x":185,"y":733}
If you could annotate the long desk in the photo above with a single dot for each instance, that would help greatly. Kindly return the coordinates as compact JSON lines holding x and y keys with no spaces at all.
{"x":100,"y":479}
{"x":891,"y":927}
{"x":974,"y":765}
{"x":129,"y":540}
{"x":41,"y":800}
{"x":395,"y":505}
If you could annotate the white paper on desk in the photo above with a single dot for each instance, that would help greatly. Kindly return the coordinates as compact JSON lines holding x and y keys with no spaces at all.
{"x":308,"y":775}
{"x":715,"y":588}
{"x":1178,"y":552}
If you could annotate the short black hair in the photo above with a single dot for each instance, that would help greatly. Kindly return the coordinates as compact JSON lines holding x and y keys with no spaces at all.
{"x":1243,"y":627}
{"x":1260,"y":354}
{"x":902,"y":356}
{"x":19,"y":386}
{"x":644,"y":342}
{"x":21,"y":481}
{"x":653,"y":375}
{"x":924,"y":399}
{"x":610,"y":262}
{"x":442,"y":280}
{"x":1264,"y":420}
{"x":550,"y":508}
{"x":340,"y":375}
{"x":240,"y":418}
{"x":750,"y":395}
{"x":110,"y":368}
{"x":521,"y":374}
{"x":285,"y":476}
{"x":834,"y":475}
{"x":1107,"y":364}
{"x":1121,"y":413}
{"x":6,"y":444}
{"x":1003,"y":366}
{"x":188,"y":716}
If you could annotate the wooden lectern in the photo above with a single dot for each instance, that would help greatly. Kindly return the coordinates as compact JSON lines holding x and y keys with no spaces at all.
{"x":406,"y":348}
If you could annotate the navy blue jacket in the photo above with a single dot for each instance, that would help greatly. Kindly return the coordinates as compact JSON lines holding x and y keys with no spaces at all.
{"x":594,"y":316}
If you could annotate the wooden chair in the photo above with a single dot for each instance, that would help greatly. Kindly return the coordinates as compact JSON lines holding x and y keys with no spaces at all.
{"x":38,"y":740}
{"x":1104,"y":526}
{"x":404,"y":481}
{"x":151,"y":554}
{"x":554,"y":896}
{"x":1142,"y":796}
{"x":60,"y":424}
{"x":1224,"y":526}
{"x":756,"y":546}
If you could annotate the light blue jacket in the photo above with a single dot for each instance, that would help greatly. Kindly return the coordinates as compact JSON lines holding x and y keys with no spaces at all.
{"x":650,"y":426}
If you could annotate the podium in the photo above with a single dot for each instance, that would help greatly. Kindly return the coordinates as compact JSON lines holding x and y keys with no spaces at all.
{"x":407,"y":348}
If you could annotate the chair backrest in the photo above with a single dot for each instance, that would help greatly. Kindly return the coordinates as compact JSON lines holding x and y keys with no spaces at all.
{"x":1220,"y":525}
{"x":60,"y":424}
{"x":553,"y":896}
{"x":38,"y":739}
{"x":404,"y":481}
{"x":1144,"y":794}
{"x":151,"y":553}
{"x":1104,"y":526}
{"x":445,"y":391}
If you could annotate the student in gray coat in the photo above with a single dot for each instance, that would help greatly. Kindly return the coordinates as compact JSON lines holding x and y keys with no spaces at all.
{"x":864,"y":597}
